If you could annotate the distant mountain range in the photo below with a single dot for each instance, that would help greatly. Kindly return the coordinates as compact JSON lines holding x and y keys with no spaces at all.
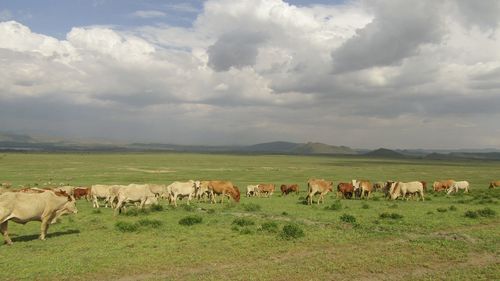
{"x":19,"y":142}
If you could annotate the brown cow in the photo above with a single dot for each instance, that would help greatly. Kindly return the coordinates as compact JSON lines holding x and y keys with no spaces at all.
{"x":424,"y":184}
{"x":224,"y":188}
{"x":494,"y":184}
{"x":267,"y":188}
{"x":345,"y":189}
{"x":80,"y":192}
{"x":285,"y":189}
{"x":315,"y":186}
{"x":365,"y":186}
{"x":442,"y":185}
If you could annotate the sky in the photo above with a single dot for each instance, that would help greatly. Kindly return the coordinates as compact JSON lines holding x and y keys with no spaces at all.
{"x":360,"y":73}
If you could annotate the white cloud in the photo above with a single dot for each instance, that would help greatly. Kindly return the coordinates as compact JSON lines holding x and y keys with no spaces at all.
{"x":148,"y":14}
{"x":365,"y":73}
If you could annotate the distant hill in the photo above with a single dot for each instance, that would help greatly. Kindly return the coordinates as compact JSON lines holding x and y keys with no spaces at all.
{"x":321,"y":148}
{"x":8,"y":137}
{"x":384,"y":153}
{"x":463,"y":155}
{"x":275,"y":147}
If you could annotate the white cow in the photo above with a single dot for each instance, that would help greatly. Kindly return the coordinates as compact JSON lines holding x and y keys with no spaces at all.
{"x":134,"y":193}
{"x":157,"y":189}
{"x":202,"y":191}
{"x":99,"y":191}
{"x":183,"y":189}
{"x":22,"y":207}
{"x":403,"y":188}
{"x":70,"y":190}
{"x":459,"y":185}
{"x":252,"y":190}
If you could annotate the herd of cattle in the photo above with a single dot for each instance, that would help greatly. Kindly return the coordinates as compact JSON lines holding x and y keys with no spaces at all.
{"x":48,"y":204}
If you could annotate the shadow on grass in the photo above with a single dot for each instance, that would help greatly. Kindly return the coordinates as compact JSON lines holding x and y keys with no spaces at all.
{"x":26,"y":238}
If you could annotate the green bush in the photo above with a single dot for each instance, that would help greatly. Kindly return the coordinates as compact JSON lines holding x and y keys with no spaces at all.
{"x":189,"y":208}
{"x":453,"y":208}
{"x":269,"y":226}
{"x":149,"y":223}
{"x":365,"y":206}
{"x":471,"y":214}
{"x":284,"y":214}
{"x":394,"y":216}
{"x":190,"y":220}
{"x":348,"y":218}
{"x":156,"y":208}
{"x":243,"y":222}
{"x":291,"y":231}
{"x":251,"y":207}
{"x":441,"y":210}
{"x":486,"y":212}
{"x":126,"y":226}
{"x":96,"y":211}
{"x":337,"y":205}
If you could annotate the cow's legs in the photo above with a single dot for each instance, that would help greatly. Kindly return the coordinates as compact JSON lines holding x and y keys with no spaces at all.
{"x":44,"y":227}
{"x":222,"y":197}
{"x":189,"y":199}
{"x":3,"y":230}
{"x":95,"y":202}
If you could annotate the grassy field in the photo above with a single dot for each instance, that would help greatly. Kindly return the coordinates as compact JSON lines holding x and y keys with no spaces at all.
{"x":343,"y":239}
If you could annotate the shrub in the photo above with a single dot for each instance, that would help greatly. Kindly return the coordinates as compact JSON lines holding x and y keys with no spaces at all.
{"x":292,"y":231}
{"x":348,"y":218}
{"x":393,"y":206}
{"x":149,"y":223}
{"x":156,"y":208}
{"x":486,"y":212}
{"x":442,"y":210}
{"x":430,"y":212}
{"x":126,"y":226}
{"x":96,"y":211}
{"x":453,"y":208}
{"x":337,"y":205}
{"x":394,"y":216}
{"x":284,"y":214}
{"x":471,"y":214}
{"x":190,"y":220}
{"x":189,"y":208}
{"x":376,"y":199}
{"x":269,"y":226}
{"x":246,"y":230}
{"x":131,"y":212}
{"x":251,"y":207}
{"x":210,"y":211}
{"x":243,"y":222}
{"x":365,"y":206}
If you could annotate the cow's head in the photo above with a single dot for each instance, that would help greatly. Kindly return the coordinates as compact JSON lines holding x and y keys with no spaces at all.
{"x":70,"y":207}
{"x":395,"y":190}
{"x":236,"y":194}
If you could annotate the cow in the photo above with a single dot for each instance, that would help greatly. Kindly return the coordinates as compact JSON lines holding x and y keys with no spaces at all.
{"x":81,"y":192}
{"x":99,"y":191}
{"x":285,"y":189}
{"x":442,"y":185}
{"x":252,"y":190}
{"x":386,"y":189}
{"x":494,"y":184}
{"x":184,"y":189}
{"x":315,"y":186}
{"x":267,"y":188}
{"x":364,"y":186}
{"x":224,"y":188}
{"x":378,"y":186}
{"x":66,"y":188}
{"x":157,"y":189}
{"x":22,"y":207}
{"x":345,"y":189}
{"x":459,"y":185}
{"x":424,"y":184}
{"x":134,"y":193}
{"x":401,"y":189}
{"x":202,"y":191}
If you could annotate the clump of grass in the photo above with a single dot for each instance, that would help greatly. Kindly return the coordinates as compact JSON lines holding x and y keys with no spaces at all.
{"x":243,"y":222}
{"x":430,"y":213}
{"x":156,"y":208}
{"x":190,"y":220}
{"x":126,"y":226}
{"x":471,"y":214}
{"x":337,"y":205}
{"x":394,"y":216}
{"x":393,"y":206}
{"x":486,"y":212}
{"x":452,"y":208}
{"x":365,"y":206}
{"x":348,"y":218}
{"x":246,"y":230}
{"x":149,"y":223}
{"x":211,"y":211}
{"x":285,"y":213}
{"x":269,"y":226}
{"x":131,"y":212}
{"x":291,"y":231}
{"x":441,"y":210}
{"x":96,"y":211}
{"x":251,"y":207}
{"x":189,"y":208}
{"x":376,"y":199}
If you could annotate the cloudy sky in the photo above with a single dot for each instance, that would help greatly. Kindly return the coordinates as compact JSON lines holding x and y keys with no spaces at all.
{"x":366,"y":74}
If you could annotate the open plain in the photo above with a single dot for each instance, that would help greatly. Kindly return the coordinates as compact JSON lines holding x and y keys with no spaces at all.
{"x":374,"y":239}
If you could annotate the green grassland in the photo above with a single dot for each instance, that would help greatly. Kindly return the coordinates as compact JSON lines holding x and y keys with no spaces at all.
{"x":376,"y":239}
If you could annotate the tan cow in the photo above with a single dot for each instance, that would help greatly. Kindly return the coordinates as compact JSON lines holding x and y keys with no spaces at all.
{"x":365,"y":186}
{"x":494,"y":184}
{"x":442,"y":185}
{"x":21,"y":207}
{"x":267,"y":188}
{"x":315,"y":186}
{"x":134,"y":193}
{"x":401,"y":189}
{"x":183,"y":189}
{"x":223,"y":188}
{"x":66,"y":188}
{"x":252,"y":190}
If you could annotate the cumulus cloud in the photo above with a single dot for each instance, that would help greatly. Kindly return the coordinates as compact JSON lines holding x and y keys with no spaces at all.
{"x":363,"y":74}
